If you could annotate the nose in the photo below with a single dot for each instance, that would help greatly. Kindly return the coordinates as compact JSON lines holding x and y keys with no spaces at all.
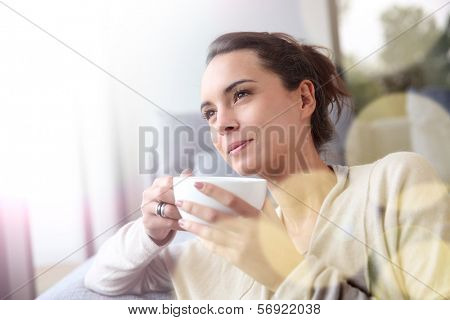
{"x":226,"y":121}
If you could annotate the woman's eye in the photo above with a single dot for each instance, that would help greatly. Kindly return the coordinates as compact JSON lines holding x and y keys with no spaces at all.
{"x":208,"y":114}
{"x":239,"y":94}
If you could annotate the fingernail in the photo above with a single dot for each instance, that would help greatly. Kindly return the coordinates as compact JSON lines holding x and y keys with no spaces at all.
{"x":178,"y":203}
{"x":198,"y":185}
{"x":182,"y":223}
{"x":186,"y":171}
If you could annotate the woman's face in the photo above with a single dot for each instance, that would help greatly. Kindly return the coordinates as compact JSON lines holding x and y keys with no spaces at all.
{"x":252,"y":117}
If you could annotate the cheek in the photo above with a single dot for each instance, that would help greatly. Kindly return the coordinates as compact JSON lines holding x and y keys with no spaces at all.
{"x":274,"y":140}
{"x":219,"y":144}
{"x":280,"y":110}
{"x":258,"y":114}
{"x":218,"y":147}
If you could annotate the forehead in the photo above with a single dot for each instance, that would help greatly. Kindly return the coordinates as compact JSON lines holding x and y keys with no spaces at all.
{"x":229,"y":67}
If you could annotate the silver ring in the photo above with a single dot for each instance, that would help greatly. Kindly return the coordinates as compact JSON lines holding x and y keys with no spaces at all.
{"x":160,"y":209}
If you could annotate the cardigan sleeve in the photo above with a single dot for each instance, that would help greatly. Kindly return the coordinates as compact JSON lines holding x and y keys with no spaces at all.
{"x":416,"y":225}
{"x":129,"y":263}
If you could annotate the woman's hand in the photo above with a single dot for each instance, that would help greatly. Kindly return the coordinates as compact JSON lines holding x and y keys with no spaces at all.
{"x":158,"y":228}
{"x":252,"y":240}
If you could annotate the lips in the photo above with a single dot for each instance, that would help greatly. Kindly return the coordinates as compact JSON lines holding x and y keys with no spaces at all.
{"x":238,"y":145}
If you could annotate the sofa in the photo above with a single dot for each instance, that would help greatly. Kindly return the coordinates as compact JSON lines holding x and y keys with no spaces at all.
{"x":72,"y":287}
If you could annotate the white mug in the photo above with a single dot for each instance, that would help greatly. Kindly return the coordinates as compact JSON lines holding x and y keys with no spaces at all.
{"x":251,"y":190}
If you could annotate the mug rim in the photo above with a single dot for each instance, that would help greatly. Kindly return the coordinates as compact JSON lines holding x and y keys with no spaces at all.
{"x":224,"y":179}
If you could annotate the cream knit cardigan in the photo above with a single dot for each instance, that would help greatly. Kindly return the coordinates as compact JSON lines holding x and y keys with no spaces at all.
{"x":383,"y":233}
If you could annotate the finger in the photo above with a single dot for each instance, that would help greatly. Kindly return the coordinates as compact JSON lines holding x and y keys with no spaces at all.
{"x":153,"y":222}
{"x":227,"y":198}
{"x":170,"y":210}
{"x":206,"y":232}
{"x":205,"y":213}
{"x":186,"y":172}
{"x":161,"y":190}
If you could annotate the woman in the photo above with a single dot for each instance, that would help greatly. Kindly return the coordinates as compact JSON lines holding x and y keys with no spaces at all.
{"x":379,"y":230}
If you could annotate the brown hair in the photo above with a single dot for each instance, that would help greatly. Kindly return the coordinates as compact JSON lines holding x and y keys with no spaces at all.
{"x":293,"y":62}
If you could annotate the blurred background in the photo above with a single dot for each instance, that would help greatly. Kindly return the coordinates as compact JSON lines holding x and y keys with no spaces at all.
{"x":79,"y":80}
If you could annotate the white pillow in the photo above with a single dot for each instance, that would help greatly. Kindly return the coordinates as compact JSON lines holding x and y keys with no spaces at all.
{"x":430,"y":132}
{"x":370,"y":141}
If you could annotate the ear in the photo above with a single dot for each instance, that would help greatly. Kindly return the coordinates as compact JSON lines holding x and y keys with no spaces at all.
{"x":308,"y":99}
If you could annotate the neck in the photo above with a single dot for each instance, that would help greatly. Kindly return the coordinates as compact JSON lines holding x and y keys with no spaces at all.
{"x":301,"y":192}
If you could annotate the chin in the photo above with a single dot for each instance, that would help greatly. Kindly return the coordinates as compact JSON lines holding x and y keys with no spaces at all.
{"x":245,"y":171}
{"x":248,"y":163}
{"x":245,"y":166}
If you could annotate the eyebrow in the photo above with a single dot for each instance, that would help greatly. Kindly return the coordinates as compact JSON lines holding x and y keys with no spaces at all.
{"x":227,"y":90}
